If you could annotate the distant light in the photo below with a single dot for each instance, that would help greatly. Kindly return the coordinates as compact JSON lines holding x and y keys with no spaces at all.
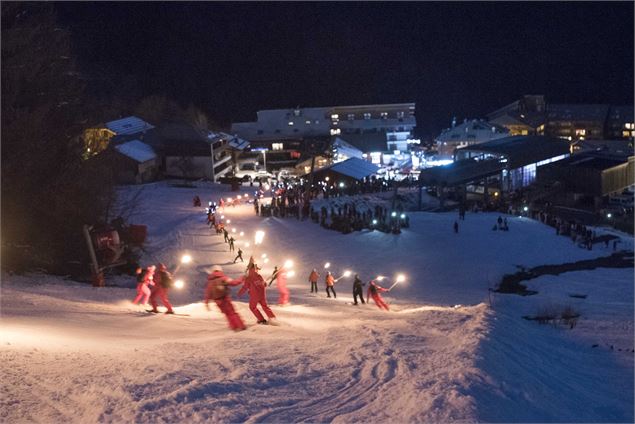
{"x":242,"y":233}
{"x":347,"y":273}
{"x":327,"y":265}
{"x":403,"y":216}
{"x":264,"y":255}
{"x":233,"y":230}
{"x":326,"y":178}
{"x":260,"y":235}
{"x":393,"y":214}
{"x":291,"y":273}
{"x":288,"y":263}
{"x":186,"y":259}
{"x":495,"y":194}
{"x":341,"y":185}
{"x":266,"y":260}
{"x":179,"y":284}
{"x":229,"y":221}
{"x":525,"y":208}
{"x":608,"y":215}
{"x":401,"y":278}
{"x":229,"y":199}
{"x":374,"y":222}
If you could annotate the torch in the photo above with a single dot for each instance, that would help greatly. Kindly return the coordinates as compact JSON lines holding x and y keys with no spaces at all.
{"x":400,"y":278}
{"x":346,"y":274}
{"x":185,"y":259}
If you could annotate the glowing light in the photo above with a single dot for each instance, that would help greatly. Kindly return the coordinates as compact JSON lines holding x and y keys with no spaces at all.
{"x":374,"y":222}
{"x":347,"y":273}
{"x":608,"y":215}
{"x":401,"y":278}
{"x":288,"y":263}
{"x":229,"y":199}
{"x":341,"y":185}
{"x":247,"y":244}
{"x":179,"y":284}
{"x":229,"y":221}
{"x":326,"y":178}
{"x":260,"y":235}
{"x":266,"y":260}
{"x":393,"y":214}
{"x":380,"y":277}
{"x":186,"y":259}
{"x":525,"y":208}
{"x":233,"y":230}
{"x":239,"y":196}
{"x":222,"y":217}
{"x":327,"y":265}
{"x":291,"y":273}
{"x":264,"y":255}
{"x":403,"y":216}
{"x":246,"y":194}
{"x":242,"y":233}
{"x":495,"y":194}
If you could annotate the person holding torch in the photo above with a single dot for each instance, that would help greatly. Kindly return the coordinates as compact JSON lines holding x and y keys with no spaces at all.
{"x":373,"y":291}
{"x":255,"y":285}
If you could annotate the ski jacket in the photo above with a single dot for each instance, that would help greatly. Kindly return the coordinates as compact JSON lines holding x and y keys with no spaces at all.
{"x":254,"y":283}
{"x":218,"y":286}
{"x":313,"y":277}
{"x":330,"y":281}
{"x":165,"y":279}
{"x":373,"y":289}
{"x":357,"y":284}
{"x":148,"y":278}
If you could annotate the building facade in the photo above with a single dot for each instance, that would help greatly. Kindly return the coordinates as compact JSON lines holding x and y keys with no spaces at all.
{"x":467,"y":134}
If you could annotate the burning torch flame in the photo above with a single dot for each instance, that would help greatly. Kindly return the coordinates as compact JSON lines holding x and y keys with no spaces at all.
{"x":291,"y":273}
{"x":327,"y":265}
{"x":179,"y":284}
{"x":186,"y":259}
{"x":260,"y":235}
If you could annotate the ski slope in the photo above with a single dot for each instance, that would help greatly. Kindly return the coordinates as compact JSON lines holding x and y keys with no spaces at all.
{"x":74,"y":353}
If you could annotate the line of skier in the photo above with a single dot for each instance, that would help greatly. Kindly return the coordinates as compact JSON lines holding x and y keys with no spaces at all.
{"x":374,"y":289}
{"x":152,"y":283}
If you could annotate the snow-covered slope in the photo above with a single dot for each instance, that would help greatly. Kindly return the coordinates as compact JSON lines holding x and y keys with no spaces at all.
{"x":74,"y":353}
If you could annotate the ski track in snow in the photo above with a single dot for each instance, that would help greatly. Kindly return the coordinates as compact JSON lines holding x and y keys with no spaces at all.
{"x":73,"y":353}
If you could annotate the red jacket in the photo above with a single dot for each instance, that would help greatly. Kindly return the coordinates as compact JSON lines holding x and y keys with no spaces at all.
{"x":377,"y":287}
{"x":330,"y":280}
{"x":313,"y":277}
{"x":217,"y":283}
{"x":254,"y":283}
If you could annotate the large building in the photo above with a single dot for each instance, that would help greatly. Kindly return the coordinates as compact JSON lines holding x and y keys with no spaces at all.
{"x":467,"y":134}
{"x":369,"y":128}
{"x":532,"y":115}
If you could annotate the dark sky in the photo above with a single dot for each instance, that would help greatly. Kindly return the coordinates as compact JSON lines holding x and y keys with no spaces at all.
{"x":453,"y":59}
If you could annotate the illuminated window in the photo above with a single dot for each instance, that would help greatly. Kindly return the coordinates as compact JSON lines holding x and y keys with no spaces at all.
{"x":400,"y":115}
{"x":384,"y":115}
{"x":277,"y":146}
{"x":335,"y":131}
{"x":351,"y":116}
{"x":307,"y":122}
{"x":366,"y":115}
{"x":335,"y":116}
{"x":629,"y":126}
{"x":580,"y":132}
{"x":626,"y":133}
{"x":524,"y":132}
{"x":290,"y":123}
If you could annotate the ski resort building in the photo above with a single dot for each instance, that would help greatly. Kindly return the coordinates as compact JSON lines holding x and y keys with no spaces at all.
{"x":467,"y":134}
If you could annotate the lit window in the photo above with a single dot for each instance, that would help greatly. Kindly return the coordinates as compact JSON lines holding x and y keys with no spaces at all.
{"x":626,"y":133}
{"x":384,"y":115}
{"x":400,"y":115}
{"x":580,"y":132}
{"x":335,"y":131}
{"x":366,"y":115}
{"x":307,"y":122}
{"x":290,"y":123}
{"x":277,"y":146}
{"x":335,"y":116}
{"x":629,"y":126}
{"x":351,"y":116}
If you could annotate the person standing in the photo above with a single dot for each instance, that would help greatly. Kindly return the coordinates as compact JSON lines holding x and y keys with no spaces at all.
{"x":239,"y":256}
{"x":358,"y":290}
{"x":313,"y":279}
{"x":144,"y":281}
{"x":373,"y":291}
{"x":225,"y":234}
{"x":161,"y":287}
{"x":330,"y":284}
{"x":255,"y":285}
{"x":218,"y":290}
{"x":231,"y":244}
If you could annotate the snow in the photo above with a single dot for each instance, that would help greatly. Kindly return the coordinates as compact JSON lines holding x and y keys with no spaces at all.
{"x":128,"y":126}
{"x":74,"y":353}
{"x":137,"y":150}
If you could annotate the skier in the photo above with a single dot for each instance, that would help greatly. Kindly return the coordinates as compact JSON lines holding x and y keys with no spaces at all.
{"x":373,"y":290}
{"x":456,"y":227}
{"x":231,"y":244}
{"x":313,"y":279}
{"x":357,"y":290}
{"x":162,"y":285}
{"x":225,"y":234}
{"x":330,"y":284}
{"x":280,"y":275}
{"x":218,"y":290}
{"x":196,"y":201}
{"x":255,"y":284}
{"x":239,"y":256}
{"x":144,"y":281}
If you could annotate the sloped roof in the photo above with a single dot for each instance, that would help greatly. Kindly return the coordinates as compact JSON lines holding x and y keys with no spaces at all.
{"x":574,"y":112}
{"x":523,"y":150}
{"x":129,"y":125}
{"x":353,"y":168}
{"x":136,"y":150}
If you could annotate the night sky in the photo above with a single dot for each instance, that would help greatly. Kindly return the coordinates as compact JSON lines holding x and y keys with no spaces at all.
{"x":452,"y":59}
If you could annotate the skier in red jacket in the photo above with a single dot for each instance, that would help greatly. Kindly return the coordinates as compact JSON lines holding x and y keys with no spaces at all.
{"x":373,"y":290}
{"x":280,"y":275}
{"x":218,"y":291}
{"x":255,"y":284}
{"x":163,"y":283}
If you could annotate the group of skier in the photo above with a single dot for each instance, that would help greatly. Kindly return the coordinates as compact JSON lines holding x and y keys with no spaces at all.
{"x":374,"y":289}
{"x":152,"y":283}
